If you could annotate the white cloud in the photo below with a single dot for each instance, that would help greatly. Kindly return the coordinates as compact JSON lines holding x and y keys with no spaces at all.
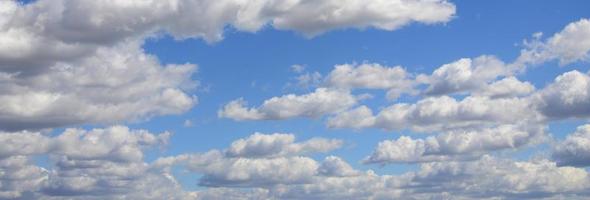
{"x":372,"y":76}
{"x":465,"y":75}
{"x":443,"y":113}
{"x":507,"y":87}
{"x":321,"y":102}
{"x":313,"y":18}
{"x":298,"y":68}
{"x":455,"y":145}
{"x":45,"y":32}
{"x":486,"y":178}
{"x":567,"y":97}
{"x":18,"y":177}
{"x":114,"y":85}
{"x":334,"y":166}
{"x":260,"y":161}
{"x":575,"y":149}
{"x":570,"y":45}
{"x":360,"y":117}
{"x":500,"y":178}
{"x":273,"y":145}
{"x":57,"y":58}
{"x":95,"y":164}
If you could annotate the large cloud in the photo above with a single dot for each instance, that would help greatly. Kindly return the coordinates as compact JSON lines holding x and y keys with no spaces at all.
{"x":575,"y":149}
{"x":114,"y":168}
{"x":45,"y":32}
{"x":455,"y":145}
{"x":443,"y":113}
{"x":465,"y":75}
{"x":567,"y":97}
{"x":261,"y":161}
{"x":569,"y":45}
{"x":486,"y":178}
{"x":96,"y":164}
{"x":113,"y":85}
{"x":82,"y":61}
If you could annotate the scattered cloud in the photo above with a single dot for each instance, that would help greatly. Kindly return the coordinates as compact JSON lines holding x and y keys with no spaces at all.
{"x":569,"y":45}
{"x":456,"y":145}
{"x":313,"y":105}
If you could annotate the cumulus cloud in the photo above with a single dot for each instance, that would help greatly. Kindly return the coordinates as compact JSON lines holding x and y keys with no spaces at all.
{"x":372,"y":76}
{"x":273,"y":145}
{"x":316,"y":104}
{"x":465,"y":75}
{"x":94,"y":164}
{"x":114,"y":85}
{"x":491,"y":177}
{"x":83,"y":61}
{"x":575,"y":149}
{"x":260,"y":161}
{"x":507,"y":87}
{"x":360,"y":117}
{"x":569,"y":45}
{"x":44,"y":32}
{"x":455,"y":145}
{"x":567,"y":97}
{"x":503,"y":101}
{"x":443,"y":113}
{"x":485,"y":178}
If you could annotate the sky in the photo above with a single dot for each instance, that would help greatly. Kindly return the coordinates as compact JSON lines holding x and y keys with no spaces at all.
{"x":296,"y":99}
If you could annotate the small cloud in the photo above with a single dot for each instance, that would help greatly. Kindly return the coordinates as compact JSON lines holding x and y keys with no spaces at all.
{"x":298,"y":68}
{"x":188,"y":123}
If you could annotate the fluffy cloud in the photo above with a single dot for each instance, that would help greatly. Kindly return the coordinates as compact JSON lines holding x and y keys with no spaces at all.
{"x":261,"y":161}
{"x":372,"y":76}
{"x":59,"y":58}
{"x":360,"y":117}
{"x":575,"y":149}
{"x":465,"y":75}
{"x":115,"y":84}
{"x":19,"y":177}
{"x":95,"y":164}
{"x":567,"y":97}
{"x":45,"y":32}
{"x":486,"y":178}
{"x":455,"y":145}
{"x":507,"y":87}
{"x":491,"y":177}
{"x":570,"y":45}
{"x":442,"y":113}
{"x":316,"y":104}
{"x":261,"y":145}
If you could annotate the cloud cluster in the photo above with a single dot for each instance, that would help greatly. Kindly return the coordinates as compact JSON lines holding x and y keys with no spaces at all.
{"x":113,"y":167}
{"x":371,"y":76}
{"x":456,"y":145}
{"x":466,"y":93}
{"x":95,"y":164}
{"x":261,"y":160}
{"x":293,"y":176}
{"x":114,"y":85}
{"x":575,"y":149}
{"x":83,"y":61}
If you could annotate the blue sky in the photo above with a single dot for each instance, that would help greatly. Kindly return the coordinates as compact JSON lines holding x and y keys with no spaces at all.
{"x":81,"y":80}
{"x":256,"y":66}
